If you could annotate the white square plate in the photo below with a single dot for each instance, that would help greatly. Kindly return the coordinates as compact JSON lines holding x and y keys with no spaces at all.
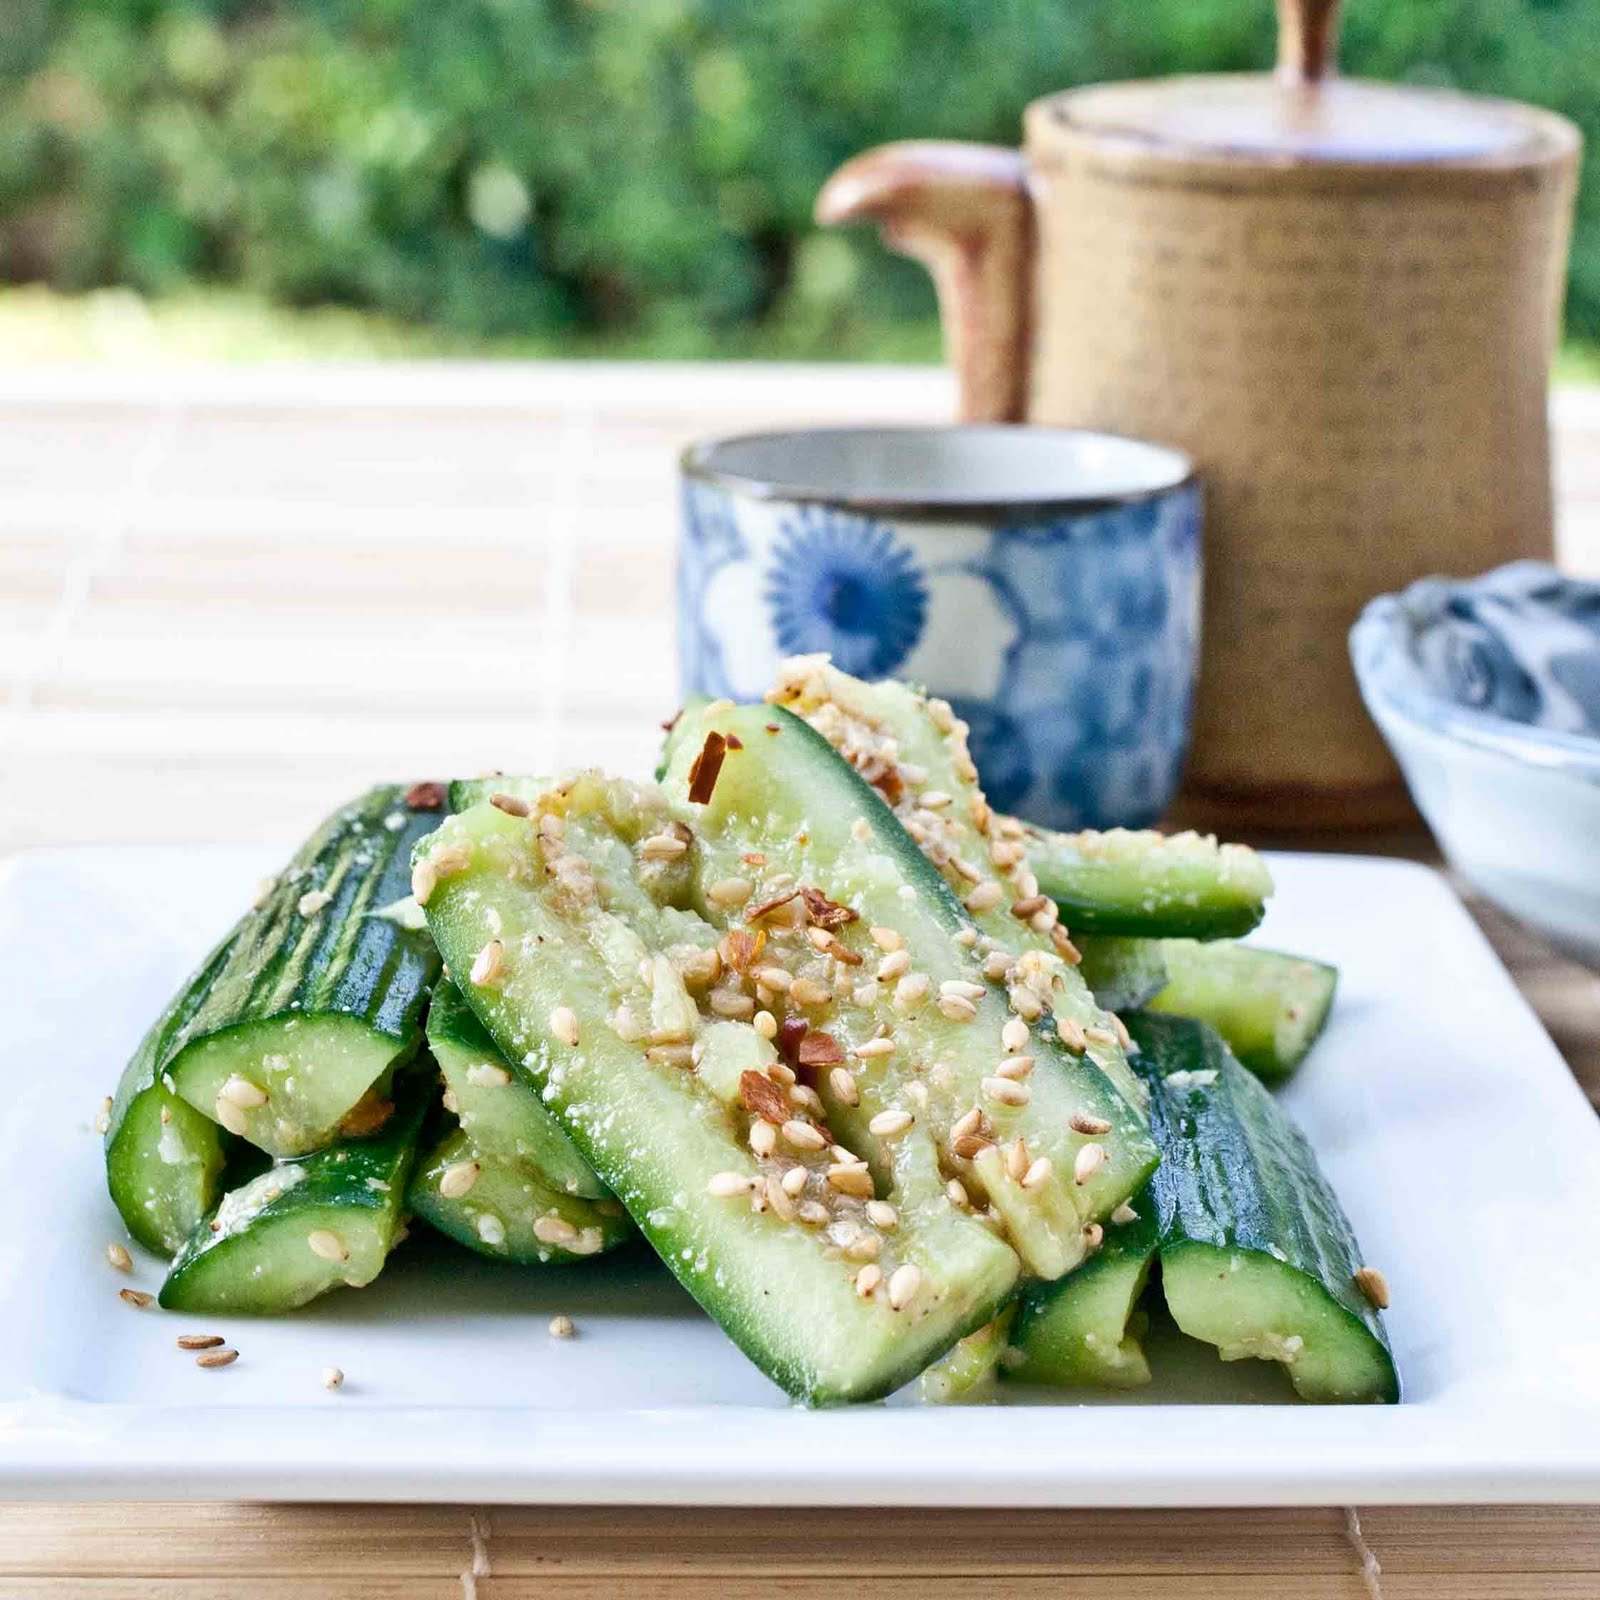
{"x":1463,"y":1150}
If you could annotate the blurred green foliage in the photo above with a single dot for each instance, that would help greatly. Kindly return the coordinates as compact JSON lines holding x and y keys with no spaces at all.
{"x":545,"y":168}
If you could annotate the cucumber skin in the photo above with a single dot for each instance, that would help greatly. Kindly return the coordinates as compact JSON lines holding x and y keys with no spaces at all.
{"x":453,"y":1218}
{"x":1123,"y":973}
{"x":142,"y":1096}
{"x":1251,"y":996}
{"x":453,"y":1028}
{"x":1237,"y":1175}
{"x":341,"y":961}
{"x":1156,"y":888}
{"x":652,"y":1204}
{"x":339,"y":1180}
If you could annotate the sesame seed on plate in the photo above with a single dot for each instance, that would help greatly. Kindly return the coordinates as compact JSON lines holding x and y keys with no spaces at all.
{"x":562,"y":1327}
{"x":223,"y":1357}
{"x":137,"y":1298}
{"x":118,"y":1257}
{"x":332,"y":1378}
{"x":200,"y":1341}
{"x":1372,"y":1283}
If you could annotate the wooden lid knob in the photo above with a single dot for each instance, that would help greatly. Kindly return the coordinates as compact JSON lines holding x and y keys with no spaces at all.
{"x":1308,"y":41}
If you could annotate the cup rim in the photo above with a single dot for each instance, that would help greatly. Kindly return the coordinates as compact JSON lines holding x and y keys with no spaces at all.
{"x":696,"y":462}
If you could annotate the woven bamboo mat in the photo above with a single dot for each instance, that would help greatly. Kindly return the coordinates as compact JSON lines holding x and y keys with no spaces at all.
{"x":229,"y":597}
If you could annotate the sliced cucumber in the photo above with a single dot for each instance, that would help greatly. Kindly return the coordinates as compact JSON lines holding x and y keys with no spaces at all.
{"x":1085,"y":1330}
{"x":323,"y":988}
{"x":163,"y":1159}
{"x":1270,"y":1007}
{"x":1150,"y":885}
{"x":572,"y":934}
{"x":497,"y":1103}
{"x":967,"y":1371}
{"x":500,"y":1207}
{"x":1257,"y":1256}
{"x":912,"y":749}
{"x":1123,"y":974}
{"x":792,"y":846}
{"x":306,"y":1226}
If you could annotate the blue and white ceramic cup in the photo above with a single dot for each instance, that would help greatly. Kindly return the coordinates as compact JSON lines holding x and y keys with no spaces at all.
{"x":1045,"y":581}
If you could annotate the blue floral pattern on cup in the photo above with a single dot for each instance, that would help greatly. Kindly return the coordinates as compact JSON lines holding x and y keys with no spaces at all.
{"x":1067,"y":642}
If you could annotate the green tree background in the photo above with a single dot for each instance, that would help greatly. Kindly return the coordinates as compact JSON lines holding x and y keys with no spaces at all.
{"x":567,"y":168}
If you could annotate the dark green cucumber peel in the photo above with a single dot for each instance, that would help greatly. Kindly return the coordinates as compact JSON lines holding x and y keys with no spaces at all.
{"x":305,"y":1226}
{"x":1270,"y":1007}
{"x":498,"y":1105}
{"x":163,"y":1159}
{"x":502,"y":1208}
{"x":1150,"y":885}
{"x":783,"y":781}
{"x":318,"y":1000}
{"x":657,"y":1135}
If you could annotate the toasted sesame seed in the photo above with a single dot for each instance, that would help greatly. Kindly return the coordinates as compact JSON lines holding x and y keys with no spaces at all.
{"x":1087,"y":1122}
{"x":887,"y":940}
{"x":763,"y":1138}
{"x":803,"y":1136}
{"x":969,"y":1146}
{"x":1124,"y":1038}
{"x":487,"y":1075}
{"x":781,"y":1072}
{"x":200,"y":1341}
{"x":961,"y":989}
{"x":564,"y":1025}
{"x":313,"y":901}
{"x":904,"y":1283}
{"x":1372,"y":1283}
{"x":224,"y":1357}
{"x":933,"y":799}
{"x":231,"y":1116}
{"x":489,"y":964}
{"x":1071,"y":1034}
{"x":883,"y":1215}
{"x":1007,"y":1091}
{"x":997,"y":968}
{"x":869,"y":1049}
{"x":731,"y":1003}
{"x":1017,"y":1067}
{"x":808,"y":992}
{"x":957,"y":1007}
{"x":1038,"y":1172}
{"x":1094,"y":1235}
{"x":894,"y":965}
{"x":1124,"y":1213}
{"x":424,"y":880}
{"x":868,"y":1279}
{"x":326,"y":1244}
{"x":808,"y":1099}
{"x":965,"y":937}
{"x":136,"y":1298}
{"x":969,"y":1122}
{"x":244,"y":1094}
{"x":458,"y":1178}
{"x":513,"y":805}
{"x":861,"y":829}
{"x":765,"y":1024}
{"x":1014,"y":1036}
{"x":562,"y":1327}
{"x":730,"y":892}
{"x":1087,"y":1162}
{"x":552,"y":1228}
{"x":912,"y":990}
{"x":812,"y":1212}
{"x":726,"y":1185}
{"x":1017,"y":1160}
{"x":985,"y":897}
{"x":332,"y":1378}
{"x":842,"y":1157}
{"x":844,"y":1087}
{"x":264,"y":888}
{"x":794,"y":1182}
{"x":851,"y":1178}
{"x":118,"y":1257}
{"x":890,"y":1124}
{"x":1099,"y":1036}
{"x":1027,"y":1004}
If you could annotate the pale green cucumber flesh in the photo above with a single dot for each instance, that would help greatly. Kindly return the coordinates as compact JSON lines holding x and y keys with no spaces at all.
{"x":912,"y":749}
{"x":258,"y":1253}
{"x":968,"y":1370}
{"x":1270,"y":1007}
{"x":785,"y":797}
{"x":163,"y":1159}
{"x":1123,"y":973}
{"x":496,"y":1101}
{"x":324,"y":986}
{"x":508,"y":1212}
{"x":1150,"y":885}
{"x":1082,"y":1332}
{"x":1261,"y":1252}
{"x":573,"y":938}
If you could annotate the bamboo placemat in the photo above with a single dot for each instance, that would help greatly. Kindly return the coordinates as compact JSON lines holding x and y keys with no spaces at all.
{"x":229,"y":597}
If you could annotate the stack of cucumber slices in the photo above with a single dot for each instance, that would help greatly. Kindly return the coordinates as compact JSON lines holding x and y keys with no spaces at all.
{"x":805,"y":1014}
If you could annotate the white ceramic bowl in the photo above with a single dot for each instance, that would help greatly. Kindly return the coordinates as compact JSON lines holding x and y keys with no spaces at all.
{"x":1489,"y":695}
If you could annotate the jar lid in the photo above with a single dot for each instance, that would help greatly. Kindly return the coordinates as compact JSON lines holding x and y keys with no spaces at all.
{"x":1256,"y":117}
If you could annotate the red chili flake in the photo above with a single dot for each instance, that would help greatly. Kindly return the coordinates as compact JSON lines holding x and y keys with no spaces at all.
{"x":756,"y":913}
{"x":672,"y":721}
{"x":735,"y":742}
{"x":822,"y":912}
{"x":819,"y":1050}
{"x":426,"y":797}
{"x":740,"y":947}
{"x":892,"y":786}
{"x":761,"y":1097}
{"x":707,"y":766}
{"x":772,"y":727}
{"x":790,"y":1033}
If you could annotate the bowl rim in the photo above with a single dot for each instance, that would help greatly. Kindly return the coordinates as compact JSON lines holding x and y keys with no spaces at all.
{"x":1391,"y":682}
{"x":695,"y":462}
